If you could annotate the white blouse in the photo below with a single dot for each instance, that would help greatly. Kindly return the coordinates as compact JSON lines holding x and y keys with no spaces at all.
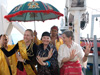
{"x":64,"y":51}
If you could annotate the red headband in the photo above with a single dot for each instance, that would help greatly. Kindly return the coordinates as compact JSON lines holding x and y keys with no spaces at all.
{"x":54,"y":27}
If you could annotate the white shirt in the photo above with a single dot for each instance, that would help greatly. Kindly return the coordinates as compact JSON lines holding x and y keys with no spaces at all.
{"x":64,"y":51}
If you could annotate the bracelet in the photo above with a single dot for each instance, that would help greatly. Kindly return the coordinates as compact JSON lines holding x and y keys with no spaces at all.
{"x":48,"y":63}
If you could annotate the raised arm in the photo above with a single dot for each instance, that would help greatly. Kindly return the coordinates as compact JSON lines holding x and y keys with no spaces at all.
{"x":11,"y":52}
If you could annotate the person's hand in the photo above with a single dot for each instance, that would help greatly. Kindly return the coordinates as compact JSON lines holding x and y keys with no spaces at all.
{"x":72,"y":54}
{"x":35,"y":36}
{"x":35,"y":33}
{"x":50,"y":53}
{"x":19,"y":57}
{"x":39,"y":58}
{"x":87,"y":50}
{"x":40,"y":61}
{"x":65,"y":59}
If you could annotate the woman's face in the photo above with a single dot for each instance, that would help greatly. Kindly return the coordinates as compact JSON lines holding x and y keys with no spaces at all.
{"x":45,"y":40}
{"x":65,"y":39}
{"x":54,"y":32}
{"x":27,"y":36}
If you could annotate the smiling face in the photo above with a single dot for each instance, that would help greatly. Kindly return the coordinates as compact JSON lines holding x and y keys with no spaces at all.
{"x":66,"y":39}
{"x":54,"y":32}
{"x":45,"y":40}
{"x":27,"y":36}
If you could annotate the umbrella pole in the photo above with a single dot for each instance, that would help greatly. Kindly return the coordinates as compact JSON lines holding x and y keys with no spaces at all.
{"x":34,"y":23}
{"x":34,"y":26}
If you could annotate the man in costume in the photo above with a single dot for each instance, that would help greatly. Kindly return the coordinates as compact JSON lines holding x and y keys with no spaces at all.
{"x":55,"y":39}
{"x":11,"y":61}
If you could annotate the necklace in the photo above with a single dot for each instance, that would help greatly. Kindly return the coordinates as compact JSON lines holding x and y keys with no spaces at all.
{"x":30,"y":50}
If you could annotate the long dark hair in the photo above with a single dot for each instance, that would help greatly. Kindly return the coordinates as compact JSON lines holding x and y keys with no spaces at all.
{"x":55,"y":27}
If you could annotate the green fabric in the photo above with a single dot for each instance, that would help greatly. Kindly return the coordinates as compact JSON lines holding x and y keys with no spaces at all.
{"x":34,"y":11}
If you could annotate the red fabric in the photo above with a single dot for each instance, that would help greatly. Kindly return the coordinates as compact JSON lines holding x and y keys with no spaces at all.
{"x":21,"y":72}
{"x":54,"y":27}
{"x":92,"y":44}
{"x":69,"y":68}
{"x":25,"y":11}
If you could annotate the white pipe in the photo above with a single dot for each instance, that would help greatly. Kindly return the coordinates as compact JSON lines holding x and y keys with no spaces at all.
{"x":18,"y":27}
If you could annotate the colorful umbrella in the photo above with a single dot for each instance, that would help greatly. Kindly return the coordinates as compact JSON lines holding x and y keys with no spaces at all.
{"x":33,"y":11}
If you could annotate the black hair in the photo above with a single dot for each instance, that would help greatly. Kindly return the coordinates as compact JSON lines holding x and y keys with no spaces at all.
{"x":0,"y":36}
{"x":45,"y":34}
{"x":55,"y":27}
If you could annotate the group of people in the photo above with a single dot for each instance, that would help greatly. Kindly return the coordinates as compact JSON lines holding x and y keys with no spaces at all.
{"x":52,"y":55}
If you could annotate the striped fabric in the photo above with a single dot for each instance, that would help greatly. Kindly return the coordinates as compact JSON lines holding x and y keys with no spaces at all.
{"x":71,"y":68}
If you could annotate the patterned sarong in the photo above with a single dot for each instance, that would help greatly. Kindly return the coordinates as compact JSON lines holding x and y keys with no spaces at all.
{"x":71,"y":68}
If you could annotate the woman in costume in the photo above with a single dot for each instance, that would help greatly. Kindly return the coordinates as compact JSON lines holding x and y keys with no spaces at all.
{"x":55,"y":39}
{"x":47,"y":57}
{"x":26,"y":55}
{"x":71,"y":56}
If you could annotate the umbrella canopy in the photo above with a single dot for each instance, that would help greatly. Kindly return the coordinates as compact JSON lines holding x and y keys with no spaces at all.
{"x":33,"y":11}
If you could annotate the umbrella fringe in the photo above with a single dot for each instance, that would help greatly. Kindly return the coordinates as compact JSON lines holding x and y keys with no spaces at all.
{"x":21,"y":12}
{"x":33,"y":7}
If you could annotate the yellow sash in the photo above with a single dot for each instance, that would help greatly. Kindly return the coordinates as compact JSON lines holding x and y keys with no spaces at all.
{"x":58,"y":43}
{"x":12,"y":61}
{"x":23,"y":52}
{"x":4,"y":70}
